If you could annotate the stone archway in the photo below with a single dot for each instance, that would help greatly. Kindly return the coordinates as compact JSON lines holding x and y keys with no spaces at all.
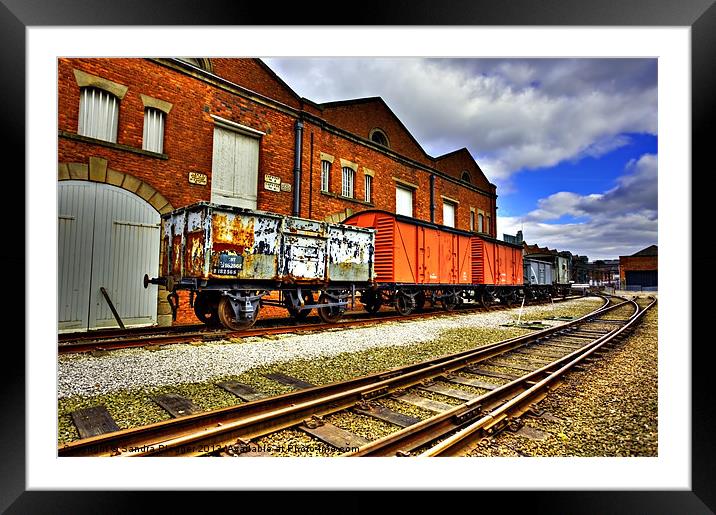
{"x":98,"y":171}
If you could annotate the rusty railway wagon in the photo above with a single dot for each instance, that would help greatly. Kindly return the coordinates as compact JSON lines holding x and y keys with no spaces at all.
{"x":418,"y":262}
{"x":230,"y":259}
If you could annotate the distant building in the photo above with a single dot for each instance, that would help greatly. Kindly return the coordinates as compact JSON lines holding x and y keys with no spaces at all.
{"x":580,"y":269}
{"x":517,"y":240}
{"x":640,"y":270}
{"x":605,"y":271}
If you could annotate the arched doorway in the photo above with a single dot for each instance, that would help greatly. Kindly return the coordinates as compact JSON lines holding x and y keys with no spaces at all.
{"x":107,"y":237}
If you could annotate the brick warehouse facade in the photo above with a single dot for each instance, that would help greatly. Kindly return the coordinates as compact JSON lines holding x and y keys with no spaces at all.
{"x":640,"y":269}
{"x":197,"y":95}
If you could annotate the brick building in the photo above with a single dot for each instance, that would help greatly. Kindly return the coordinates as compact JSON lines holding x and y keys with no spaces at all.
{"x":140,"y":137}
{"x":640,"y":270}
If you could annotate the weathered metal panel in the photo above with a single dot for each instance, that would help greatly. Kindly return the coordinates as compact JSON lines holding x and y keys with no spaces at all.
{"x":207,"y":241}
{"x":350,"y":253}
{"x":561,"y":271}
{"x":304,"y":250}
{"x":243,"y":244}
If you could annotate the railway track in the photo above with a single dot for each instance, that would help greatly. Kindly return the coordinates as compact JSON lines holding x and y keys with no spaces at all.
{"x":141,"y":337}
{"x":537,"y":359}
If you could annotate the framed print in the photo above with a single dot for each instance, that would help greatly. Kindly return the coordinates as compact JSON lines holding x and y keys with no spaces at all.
{"x":40,"y":32}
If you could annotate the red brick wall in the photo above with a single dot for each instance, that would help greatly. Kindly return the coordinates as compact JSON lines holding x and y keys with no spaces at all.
{"x":189,"y":132}
{"x":361,"y":118}
{"x":455,"y":164}
{"x":252,"y":75}
{"x":629,"y":263}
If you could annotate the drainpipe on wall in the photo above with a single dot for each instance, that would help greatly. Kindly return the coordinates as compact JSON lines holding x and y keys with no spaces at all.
{"x":432,"y":198}
{"x":297,"y":169}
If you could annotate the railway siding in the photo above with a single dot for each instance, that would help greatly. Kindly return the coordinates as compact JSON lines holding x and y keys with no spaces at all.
{"x":369,"y":350}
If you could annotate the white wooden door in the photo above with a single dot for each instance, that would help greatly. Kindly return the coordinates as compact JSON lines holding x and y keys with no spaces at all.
{"x":234,"y":169}
{"x":403,"y":201}
{"x":75,"y":229}
{"x":448,"y":214}
{"x":114,"y":241}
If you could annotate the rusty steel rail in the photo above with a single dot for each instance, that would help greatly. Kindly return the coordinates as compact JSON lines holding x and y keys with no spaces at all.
{"x":460,"y":427}
{"x":204,"y":433}
{"x":182,"y":334}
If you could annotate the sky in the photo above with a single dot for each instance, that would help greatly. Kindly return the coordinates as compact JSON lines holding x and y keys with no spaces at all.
{"x":570,"y":143}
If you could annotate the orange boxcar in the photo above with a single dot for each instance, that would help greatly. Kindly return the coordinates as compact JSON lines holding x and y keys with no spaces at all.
{"x":410,"y":251}
{"x":496,"y":263}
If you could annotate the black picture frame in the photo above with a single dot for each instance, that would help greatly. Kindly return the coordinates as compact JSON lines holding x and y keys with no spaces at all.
{"x":700,"y":15}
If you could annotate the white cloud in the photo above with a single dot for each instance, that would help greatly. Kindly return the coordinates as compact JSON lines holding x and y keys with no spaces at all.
{"x":511,"y":114}
{"x":620,"y":221}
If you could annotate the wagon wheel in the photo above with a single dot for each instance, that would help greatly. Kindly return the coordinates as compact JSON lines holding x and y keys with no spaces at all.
{"x":300,"y":314}
{"x":226,"y":315}
{"x":508,"y":300}
{"x":450,"y":302}
{"x":329,"y":314}
{"x":404,"y":304}
{"x":372,"y":301}
{"x":207,"y":309}
{"x":420,"y":301}
{"x":485,"y":300}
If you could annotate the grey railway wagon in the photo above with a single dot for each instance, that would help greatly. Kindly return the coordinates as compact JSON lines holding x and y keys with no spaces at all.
{"x":231,"y":259}
{"x":208,"y":242}
{"x":537,"y":273}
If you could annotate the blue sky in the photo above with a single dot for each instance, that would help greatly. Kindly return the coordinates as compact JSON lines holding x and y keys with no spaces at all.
{"x":570,"y":143}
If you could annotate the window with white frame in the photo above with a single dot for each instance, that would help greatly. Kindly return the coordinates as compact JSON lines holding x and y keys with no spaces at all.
{"x":480,"y":222}
{"x":472,"y":220}
{"x":403,"y":200}
{"x":153,"y":137}
{"x":368,"y":188}
{"x":448,"y":213}
{"x":325,"y":175}
{"x":99,"y":113}
{"x":348,"y":180}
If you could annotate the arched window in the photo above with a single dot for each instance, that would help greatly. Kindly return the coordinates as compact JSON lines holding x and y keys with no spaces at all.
{"x":466,"y":177}
{"x":379,"y":137}
{"x":99,"y":113}
{"x":199,"y":62}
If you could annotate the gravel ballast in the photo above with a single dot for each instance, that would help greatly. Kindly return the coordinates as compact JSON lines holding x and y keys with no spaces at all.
{"x":609,"y":409}
{"x":125,"y":381}
{"x":84,"y":374}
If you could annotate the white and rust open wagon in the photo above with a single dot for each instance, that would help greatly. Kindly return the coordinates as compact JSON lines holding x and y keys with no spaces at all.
{"x":231,"y":258}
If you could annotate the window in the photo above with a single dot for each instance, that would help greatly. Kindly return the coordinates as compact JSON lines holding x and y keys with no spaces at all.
{"x":472,"y":220}
{"x":480,"y":220}
{"x":448,"y":213}
{"x":153,"y":137}
{"x":325,"y":175}
{"x":379,"y":137}
{"x":466,"y":177}
{"x":403,"y":201}
{"x":487,"y":227}
{"x":348,"y":177}
{"x":368,"y":187}
{"x":99,"y":112}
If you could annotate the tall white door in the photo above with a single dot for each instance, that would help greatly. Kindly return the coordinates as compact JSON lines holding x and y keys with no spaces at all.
{"x":234,"y":169}
{"x":107,"y":237}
